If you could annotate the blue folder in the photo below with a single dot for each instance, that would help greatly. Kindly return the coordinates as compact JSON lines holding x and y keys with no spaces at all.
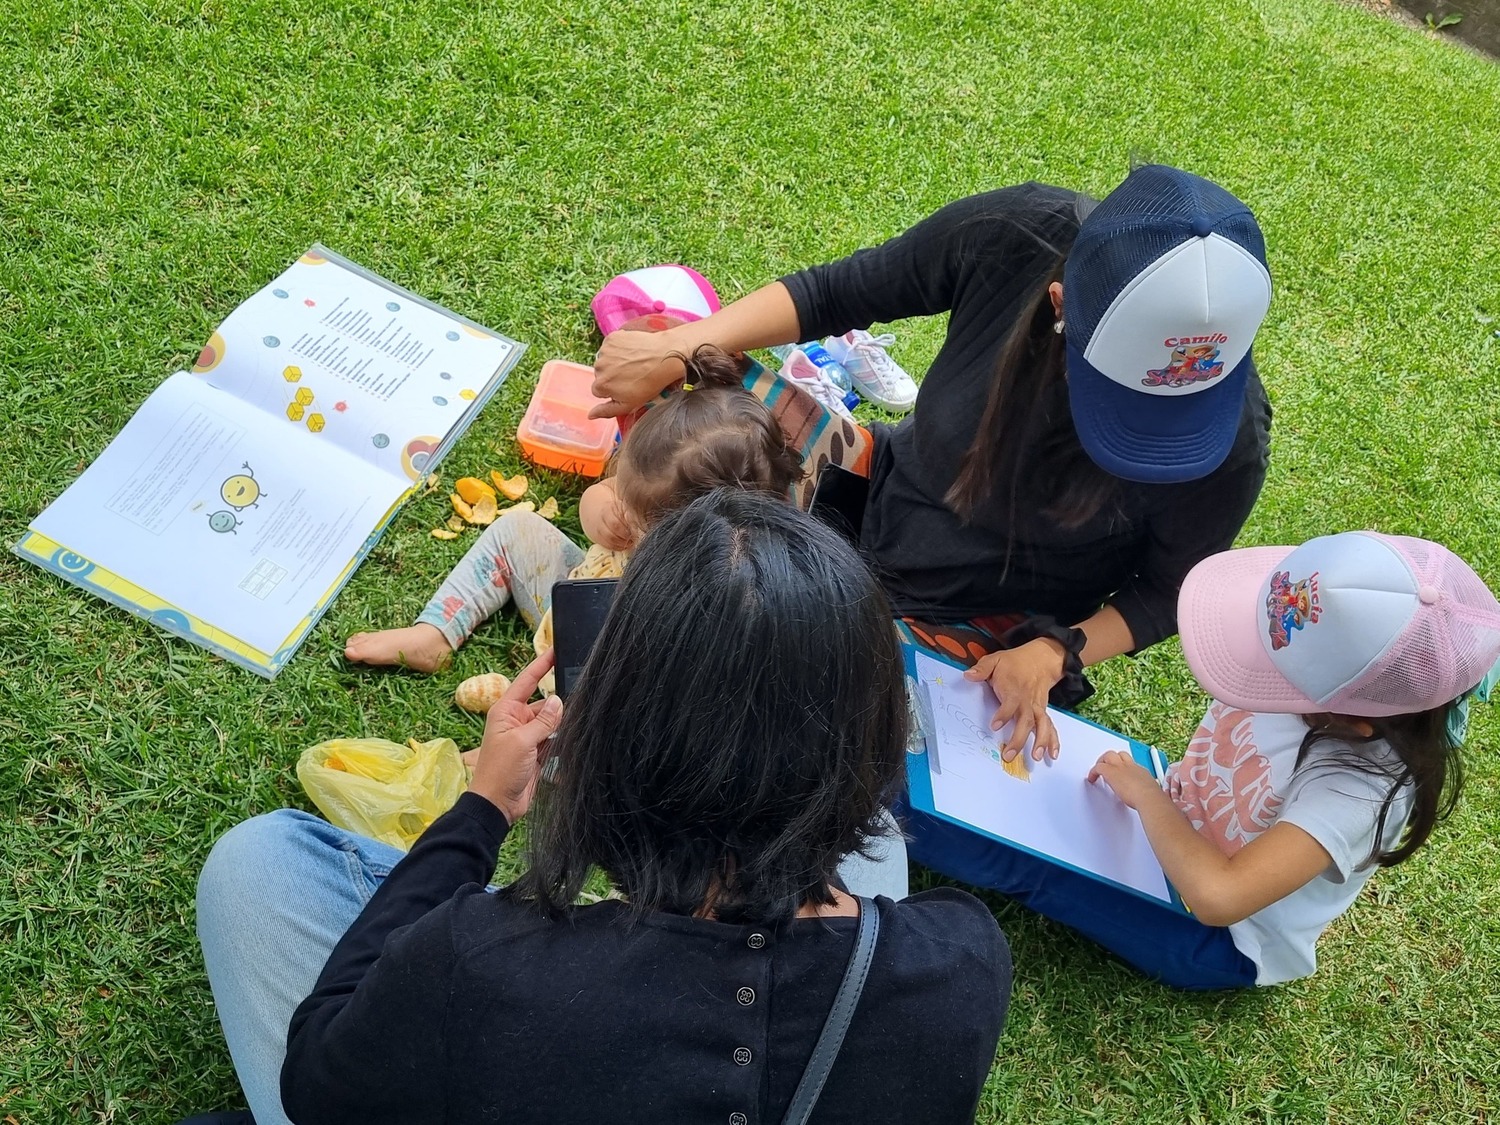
{"x":919,"y":784}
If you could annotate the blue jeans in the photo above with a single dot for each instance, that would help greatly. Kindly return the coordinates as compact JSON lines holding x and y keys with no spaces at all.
{"x":1167,"y":946}
{"x":277,"y":893}
{"x":275,"y":896}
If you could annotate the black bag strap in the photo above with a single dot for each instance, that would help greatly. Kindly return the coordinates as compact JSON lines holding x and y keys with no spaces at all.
{"x":839,"y":1016}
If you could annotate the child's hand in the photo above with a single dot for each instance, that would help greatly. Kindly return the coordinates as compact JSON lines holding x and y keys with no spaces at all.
{"x":603,"y":518}
{"x":1129,"y":780}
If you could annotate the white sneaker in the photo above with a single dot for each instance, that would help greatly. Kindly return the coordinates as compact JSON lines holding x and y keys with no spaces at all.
{"x":876,"y":375}
{"x":804,"y":373}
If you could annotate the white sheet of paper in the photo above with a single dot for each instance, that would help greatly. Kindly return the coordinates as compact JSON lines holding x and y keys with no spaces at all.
{"x":1047,"y":806}
{"x":219,"y":511}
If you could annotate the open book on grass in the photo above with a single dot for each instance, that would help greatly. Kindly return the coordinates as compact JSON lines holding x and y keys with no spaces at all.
{"x":238,"y":500}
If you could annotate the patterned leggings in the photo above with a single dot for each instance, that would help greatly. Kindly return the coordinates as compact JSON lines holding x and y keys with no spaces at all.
{"x":517,"y":558}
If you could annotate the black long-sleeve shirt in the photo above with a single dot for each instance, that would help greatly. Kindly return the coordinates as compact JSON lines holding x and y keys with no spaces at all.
{"x":979,"y":260}
{"x":444,"y":1003}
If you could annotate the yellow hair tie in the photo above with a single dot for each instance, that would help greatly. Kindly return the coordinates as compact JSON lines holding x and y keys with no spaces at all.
{"x":687,"y":386}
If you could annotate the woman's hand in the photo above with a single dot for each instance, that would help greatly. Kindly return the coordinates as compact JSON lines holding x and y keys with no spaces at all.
{"x":603,"y":519}
{"x":514,"y":730}
{"x":632,"y":368}
{"x":1021,"y":678}
{"x":1130,"y":781}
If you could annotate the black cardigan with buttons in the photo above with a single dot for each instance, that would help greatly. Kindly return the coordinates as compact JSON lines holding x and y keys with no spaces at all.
{"x":443,"y":1003}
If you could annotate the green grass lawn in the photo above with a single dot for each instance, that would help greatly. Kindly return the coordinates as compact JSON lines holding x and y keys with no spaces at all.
{"x":162,"y":161}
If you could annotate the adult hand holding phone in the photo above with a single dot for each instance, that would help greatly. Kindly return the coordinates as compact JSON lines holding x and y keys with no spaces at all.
{"x":514,"y":730}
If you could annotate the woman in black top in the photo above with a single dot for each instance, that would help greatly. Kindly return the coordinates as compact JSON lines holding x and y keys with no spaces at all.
{"x":714,"y":766}
{"x":1069,"y":468}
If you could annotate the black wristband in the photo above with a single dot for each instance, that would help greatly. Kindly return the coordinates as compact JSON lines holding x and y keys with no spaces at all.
{"x":1074,"y":687}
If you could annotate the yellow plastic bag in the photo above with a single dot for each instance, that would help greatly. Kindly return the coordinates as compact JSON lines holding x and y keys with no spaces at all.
{"x":381,"y":789}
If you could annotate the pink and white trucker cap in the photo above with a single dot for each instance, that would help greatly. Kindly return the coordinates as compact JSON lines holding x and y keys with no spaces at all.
{"x":670,"y":290}
{"x":1355,"y":624}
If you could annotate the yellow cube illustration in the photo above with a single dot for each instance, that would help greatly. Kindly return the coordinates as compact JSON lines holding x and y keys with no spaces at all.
{"x":292,"y":374}
{"x":294,"y":411}
{"x":304,"y":396}
{"x":315,"y":422}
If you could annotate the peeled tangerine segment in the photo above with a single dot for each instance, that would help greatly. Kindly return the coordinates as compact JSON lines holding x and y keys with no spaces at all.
{"x":443,"y":533}
{"x":485,"y":511}
{"x":461,"y":506}
{"x":480,"y":693}
{"x":472,"y":488}
{"x":548,"y":510}
{"x":512,"y":488}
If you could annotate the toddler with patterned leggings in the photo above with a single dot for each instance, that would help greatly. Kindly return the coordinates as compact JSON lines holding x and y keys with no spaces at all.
{"x":711,"y":434}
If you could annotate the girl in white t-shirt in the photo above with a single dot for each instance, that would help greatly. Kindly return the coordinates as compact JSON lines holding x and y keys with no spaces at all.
{"x":1340,"y":671}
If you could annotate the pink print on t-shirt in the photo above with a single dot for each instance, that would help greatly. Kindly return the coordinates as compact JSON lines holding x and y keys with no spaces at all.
{"x":1223,"y":783}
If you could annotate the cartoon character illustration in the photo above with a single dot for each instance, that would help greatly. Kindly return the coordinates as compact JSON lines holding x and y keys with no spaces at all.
{"x":223,"y":521}
{"x":1291,"y":605}
{"x":1189,"y":363}
{"x":242,"y":490}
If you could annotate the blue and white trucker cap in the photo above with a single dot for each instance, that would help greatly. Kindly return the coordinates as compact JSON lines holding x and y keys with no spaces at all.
{"x":1163,"y":292}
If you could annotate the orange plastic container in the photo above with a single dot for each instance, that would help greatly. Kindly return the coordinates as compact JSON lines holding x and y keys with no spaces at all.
{"x":556,"y":430}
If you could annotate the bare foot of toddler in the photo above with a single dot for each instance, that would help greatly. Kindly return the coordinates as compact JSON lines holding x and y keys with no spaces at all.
{"x":423,"y":648}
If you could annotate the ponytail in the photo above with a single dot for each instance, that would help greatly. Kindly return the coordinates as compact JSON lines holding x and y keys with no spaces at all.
{"x":709,"y":366}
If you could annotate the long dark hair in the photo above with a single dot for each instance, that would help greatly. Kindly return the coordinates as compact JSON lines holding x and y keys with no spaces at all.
{"x":1427,"y":759}
{"x":714,"y":435}
{"x":1026,"y":432}
{"x":738,"y":727}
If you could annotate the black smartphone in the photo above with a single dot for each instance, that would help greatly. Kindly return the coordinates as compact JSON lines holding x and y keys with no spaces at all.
{"x":838,"y":500}
{"x":579,"y":607}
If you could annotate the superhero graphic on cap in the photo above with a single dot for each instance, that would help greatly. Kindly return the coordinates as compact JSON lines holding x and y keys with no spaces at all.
{"x":1189,"y":363}
{"x":1291,"y":605}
